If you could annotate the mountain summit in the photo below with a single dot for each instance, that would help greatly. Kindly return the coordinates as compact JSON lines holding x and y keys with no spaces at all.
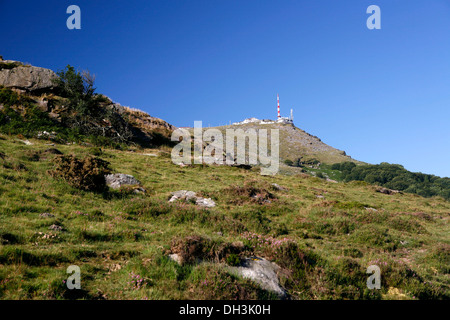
{"x":296,"y":145}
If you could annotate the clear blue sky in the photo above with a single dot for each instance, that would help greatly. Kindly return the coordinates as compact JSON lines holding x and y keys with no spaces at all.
{"x":380,"y":95}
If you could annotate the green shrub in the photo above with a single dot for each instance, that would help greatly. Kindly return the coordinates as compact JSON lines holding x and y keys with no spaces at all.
{"x":86,"y":112}
{"x":8,"y":97}
{"x":28,"y":123}
{"x":79,"y":89}
{"x":320,"y":175}
{"x":86,"y":174}
{"x":395,"y":176}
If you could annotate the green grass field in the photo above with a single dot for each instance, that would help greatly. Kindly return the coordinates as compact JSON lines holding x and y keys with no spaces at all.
{"x":332,"y":232}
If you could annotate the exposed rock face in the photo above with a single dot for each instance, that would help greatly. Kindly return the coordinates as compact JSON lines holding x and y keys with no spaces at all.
{"x":144,"y":121}
{"x":145,"y":127}
{"x":262,"y":272}
{"x":26,"y":78}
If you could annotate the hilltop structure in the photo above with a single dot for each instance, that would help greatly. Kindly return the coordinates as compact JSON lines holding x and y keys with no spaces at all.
{"x":280,"y":119}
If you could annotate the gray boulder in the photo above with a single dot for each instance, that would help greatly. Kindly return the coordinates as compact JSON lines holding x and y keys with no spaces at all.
{"x":27,"y":78}
{"x":183,"y":195}
{"x":205,"y":202}
{"x":186,"y":195}
{"x":117,"y":180}
{"x":261,"y":271}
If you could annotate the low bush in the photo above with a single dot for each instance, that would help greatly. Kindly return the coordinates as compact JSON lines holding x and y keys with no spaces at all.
{"x":86,"y":174}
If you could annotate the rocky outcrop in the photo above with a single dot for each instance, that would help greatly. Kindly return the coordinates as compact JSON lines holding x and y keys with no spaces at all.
{"x":123,"y":124}
{"x":145,"y":127}
{"x":146,"y":121}
{"x":149,"y":127}
{"x":15,"y":75}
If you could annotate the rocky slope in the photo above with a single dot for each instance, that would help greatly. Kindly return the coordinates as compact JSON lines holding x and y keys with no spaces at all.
{"x":37,"y":85}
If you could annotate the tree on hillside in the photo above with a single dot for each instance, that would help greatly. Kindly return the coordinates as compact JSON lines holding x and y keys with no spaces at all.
{"x":85,"y":111}
{"x":78,"y":88}
{"x":395,"y":176}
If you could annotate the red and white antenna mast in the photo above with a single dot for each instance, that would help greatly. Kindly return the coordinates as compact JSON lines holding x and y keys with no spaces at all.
{"x":278,"y":105}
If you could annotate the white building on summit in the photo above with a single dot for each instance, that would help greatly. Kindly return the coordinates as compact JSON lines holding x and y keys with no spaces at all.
{"x":279,"y":119}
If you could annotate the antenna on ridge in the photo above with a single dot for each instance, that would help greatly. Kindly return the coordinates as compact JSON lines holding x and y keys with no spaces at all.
{"x":278,"y":105}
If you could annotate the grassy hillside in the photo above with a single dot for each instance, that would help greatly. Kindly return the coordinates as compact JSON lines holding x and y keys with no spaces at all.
{"x":296,"y":143}
{"x":323,"y":234}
